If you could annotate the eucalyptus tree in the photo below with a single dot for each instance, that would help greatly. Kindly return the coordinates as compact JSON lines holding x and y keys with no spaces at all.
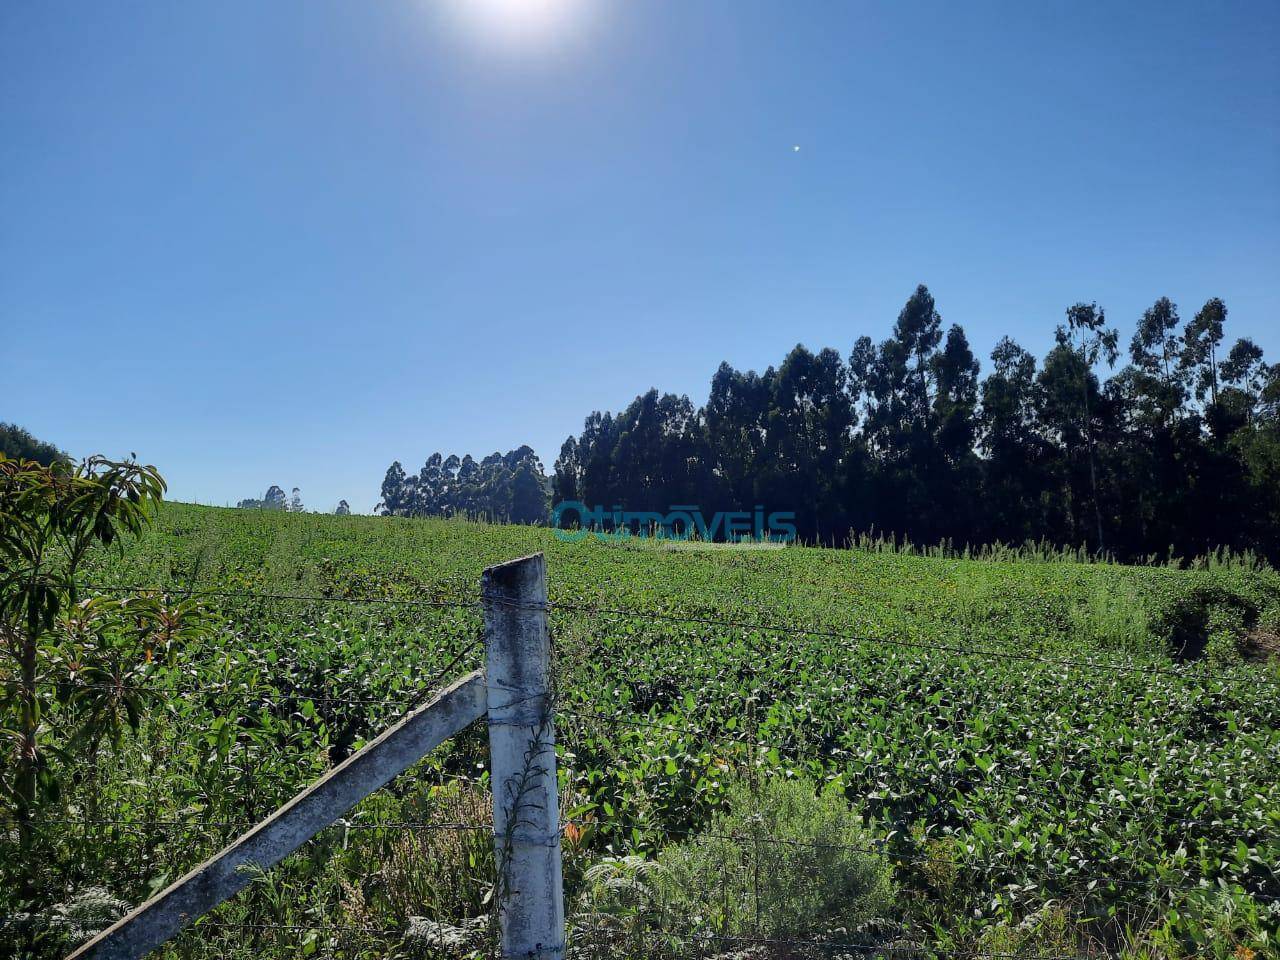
{"x":1155,"y":351}
{"x":1200,"y":342}
{"x":736,"y":419}
{"x":904,"y":438}
{"x":807,"y":431}
{"x":393,"y":501}
{"x":274,"y":499}
{"x":1087,"y":335}
{"x":1009,"y":438}
{"x":1246,"y":372}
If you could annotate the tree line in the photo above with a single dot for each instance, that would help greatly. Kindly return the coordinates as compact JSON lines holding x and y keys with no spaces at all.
{"x":17,"y":443}
{"x":1177,"y":452}
{"x":506,"y":487}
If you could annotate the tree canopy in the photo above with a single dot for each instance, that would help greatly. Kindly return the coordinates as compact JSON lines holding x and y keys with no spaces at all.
{"x":1177,"y":452}
{"x":275,"y":499}
{"x":507,"y":488}
{"x":18,"y":444}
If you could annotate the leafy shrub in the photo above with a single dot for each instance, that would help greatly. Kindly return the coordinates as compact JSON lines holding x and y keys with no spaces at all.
{"x":788,"y":861}
{"x":1270,"y":618}
{"x":1048,"y":932}
{"x":620,"y":899}
{"x":1225,"y":628}
{"x":433,"y":938}
{"x":1219,"y":924}
{"x":1187,"y":618}
{"x":66,"y":925}
{"x":438,"y":875}
{"x":939,"y":865}
{"x":1109,"y":614}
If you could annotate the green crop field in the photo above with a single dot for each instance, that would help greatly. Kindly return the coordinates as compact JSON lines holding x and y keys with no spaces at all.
{"x":1037,"y":758}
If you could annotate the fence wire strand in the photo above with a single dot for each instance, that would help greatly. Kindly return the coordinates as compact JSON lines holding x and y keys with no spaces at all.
{"x":673,"y":940}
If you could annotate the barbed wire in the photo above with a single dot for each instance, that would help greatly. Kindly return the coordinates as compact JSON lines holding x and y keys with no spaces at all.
{"x":406,"y":929}
{"x":431,"y":687}
{"x":1055,"y":793}
{"x":878,"y":848}
{"x":723,"y":738}
{"x":217,"y":593}
{"x":1113,"y":666}
{"x":161,"y":826}
{"x":256,"y":694}
{"x":1075,"y":663}
{"x":250,"y":695}
{"x":216,"y":921}
{"x":719,"y":622}
{"x":1022,"y":786}
{"x":431,"y":779}
{"x":884,"y":849}
{"x":828,"y":945}
{"x":843,"y":753}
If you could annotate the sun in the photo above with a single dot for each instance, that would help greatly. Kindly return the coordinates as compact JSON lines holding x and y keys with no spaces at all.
{"x":523,"y":24}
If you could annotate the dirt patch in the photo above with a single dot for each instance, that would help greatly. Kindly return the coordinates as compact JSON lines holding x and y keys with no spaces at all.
{"x":1260,"y":645}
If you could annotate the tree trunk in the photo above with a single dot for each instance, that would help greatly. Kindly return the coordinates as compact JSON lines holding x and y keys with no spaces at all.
{"x":1093,"y":469}
{"x":1213,"y":371}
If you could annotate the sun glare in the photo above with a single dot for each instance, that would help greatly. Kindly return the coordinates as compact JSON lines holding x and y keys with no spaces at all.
{"x":523,"y":24}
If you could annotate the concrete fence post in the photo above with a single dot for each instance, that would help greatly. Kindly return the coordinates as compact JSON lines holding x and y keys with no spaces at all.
{"x":522,"y":758}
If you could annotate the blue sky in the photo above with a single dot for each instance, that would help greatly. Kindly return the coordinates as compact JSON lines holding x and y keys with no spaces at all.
{"x":290,"y":242}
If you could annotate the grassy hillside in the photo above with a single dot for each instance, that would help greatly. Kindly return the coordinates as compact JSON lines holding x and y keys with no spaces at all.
{"x":1048,"y":758}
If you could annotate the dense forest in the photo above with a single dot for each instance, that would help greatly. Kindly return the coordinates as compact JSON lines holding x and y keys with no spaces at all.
{"x":507,"y":488}
{"x":1177,"y":451}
